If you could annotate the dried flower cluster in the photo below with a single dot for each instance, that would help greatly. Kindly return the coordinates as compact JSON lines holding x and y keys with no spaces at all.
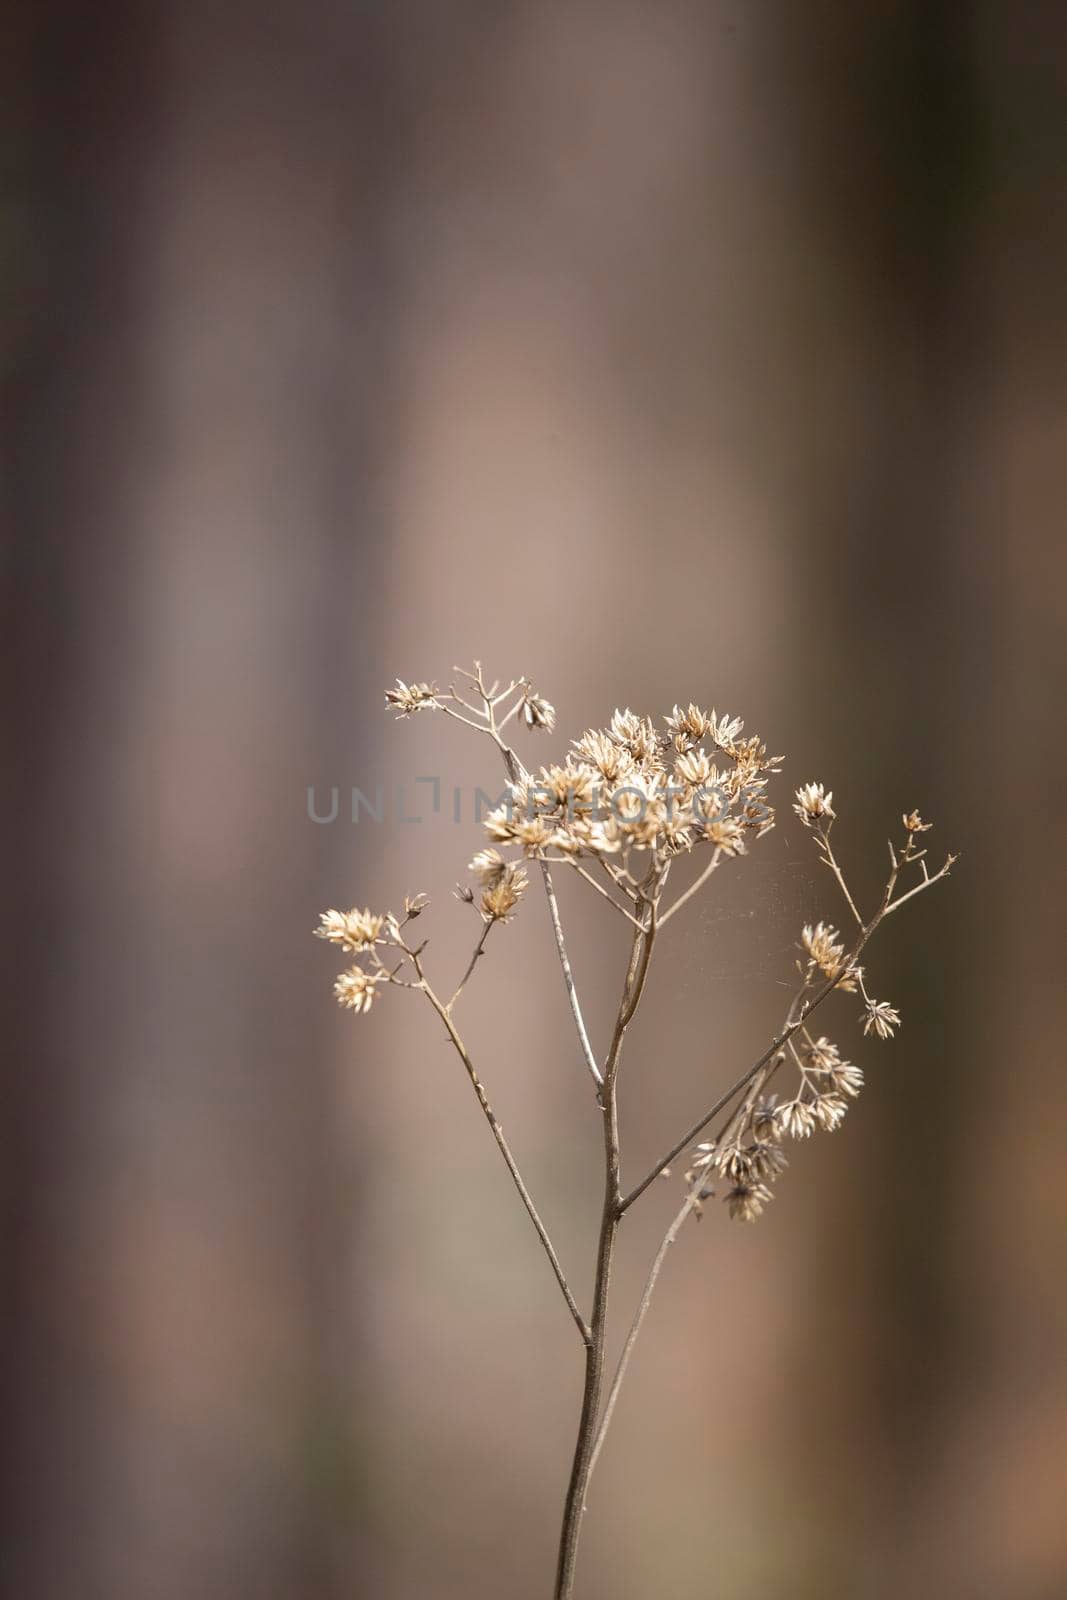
{"x":631,"y":787}
{"x":622,"y":808}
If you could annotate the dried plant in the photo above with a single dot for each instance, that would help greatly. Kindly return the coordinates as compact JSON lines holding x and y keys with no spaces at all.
{"x":627,"y":802}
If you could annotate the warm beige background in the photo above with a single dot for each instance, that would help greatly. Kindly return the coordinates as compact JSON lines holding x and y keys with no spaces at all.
{"x":658,"y":350}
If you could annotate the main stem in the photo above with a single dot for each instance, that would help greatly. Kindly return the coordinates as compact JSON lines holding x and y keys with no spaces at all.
{"x":574,"y":1506}
{"x":588,"y":1421}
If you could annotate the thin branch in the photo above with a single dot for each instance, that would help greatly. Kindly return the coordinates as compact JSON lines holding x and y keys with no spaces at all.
{"x":747,"y":1076}
{"x":928,"y":880}
{"x":689,"y":1205}
{"x":866,"y":933}
{"x":599,"y":887}
{"x":831,"y":862}
{"x":516,"y":771}
{"x":692,"y":1201}
{"x":693,"y":888}
{"x":450,"y":711}
{"x":568,"y":978}
{"x":621,"y":880}
{"x":504,"y":1148}
{"x":478,"y":950}
{"x":516,"y":683}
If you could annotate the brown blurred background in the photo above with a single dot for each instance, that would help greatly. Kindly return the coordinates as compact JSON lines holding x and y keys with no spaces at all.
{"x":658,"y":350}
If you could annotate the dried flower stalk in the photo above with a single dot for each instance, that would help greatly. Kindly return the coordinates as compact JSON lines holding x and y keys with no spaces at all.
{"x":626,"y":803}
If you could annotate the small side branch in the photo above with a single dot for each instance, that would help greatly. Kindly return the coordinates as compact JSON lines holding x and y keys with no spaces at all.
{"x":694,"y":887}
{"x":823,"y":836}
{"x":929,"y":879}
{"x":751,"y":1072}
{"x":505,"y":1150}
{"x":568,"y":978}
{"x":478,"y":952}
{"x":692,"y":1201}
{"x":599,"y":887}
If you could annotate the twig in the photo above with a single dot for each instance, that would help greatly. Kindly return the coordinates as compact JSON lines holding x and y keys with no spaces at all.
{"x":690,"y":1204}
{"x":694,"y":887}
{"x":568,"y":978}
{"x":692,"y":1201}
{"x":478,"y":950}
{"x":928,"y":881}
{"x":504,"y":1148}
{"x":823,"y":835}
{"x":599,"y":887}
{"x":747,"y":1076}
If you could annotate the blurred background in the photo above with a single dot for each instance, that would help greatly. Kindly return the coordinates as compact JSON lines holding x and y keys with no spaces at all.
{"x":659,"y":351}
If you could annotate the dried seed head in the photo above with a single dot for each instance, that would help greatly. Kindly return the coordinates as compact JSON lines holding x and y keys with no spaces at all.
{"x":795,"y":1119}
{"x":830,"y":1111}
{"x":406,"y":698}
{"x":695,"y":767}
{"x":847,"y":1079}
{"x":727,"y":835}
{"x":824,"y":948}
{"x":880,"y":1018}
{"x":533,"y":833}
{"x":747,"y":1200}
{"x":766,"y":1160}
{"x":611,"y":760}
{"x":488,"y":867}
{"x":813,"y":803}
{"x":724,"y":731}
{"x":356,"y":989}
{"x":824,"y":1061}
{"x":734,"y":1163}
{"x":765,"y":1121}
{"x":500,"y":898}
{"x":352,"y":930}
{"x":537,"y":712}
{"x":690,"y":725}
{"x":915,"y":824}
